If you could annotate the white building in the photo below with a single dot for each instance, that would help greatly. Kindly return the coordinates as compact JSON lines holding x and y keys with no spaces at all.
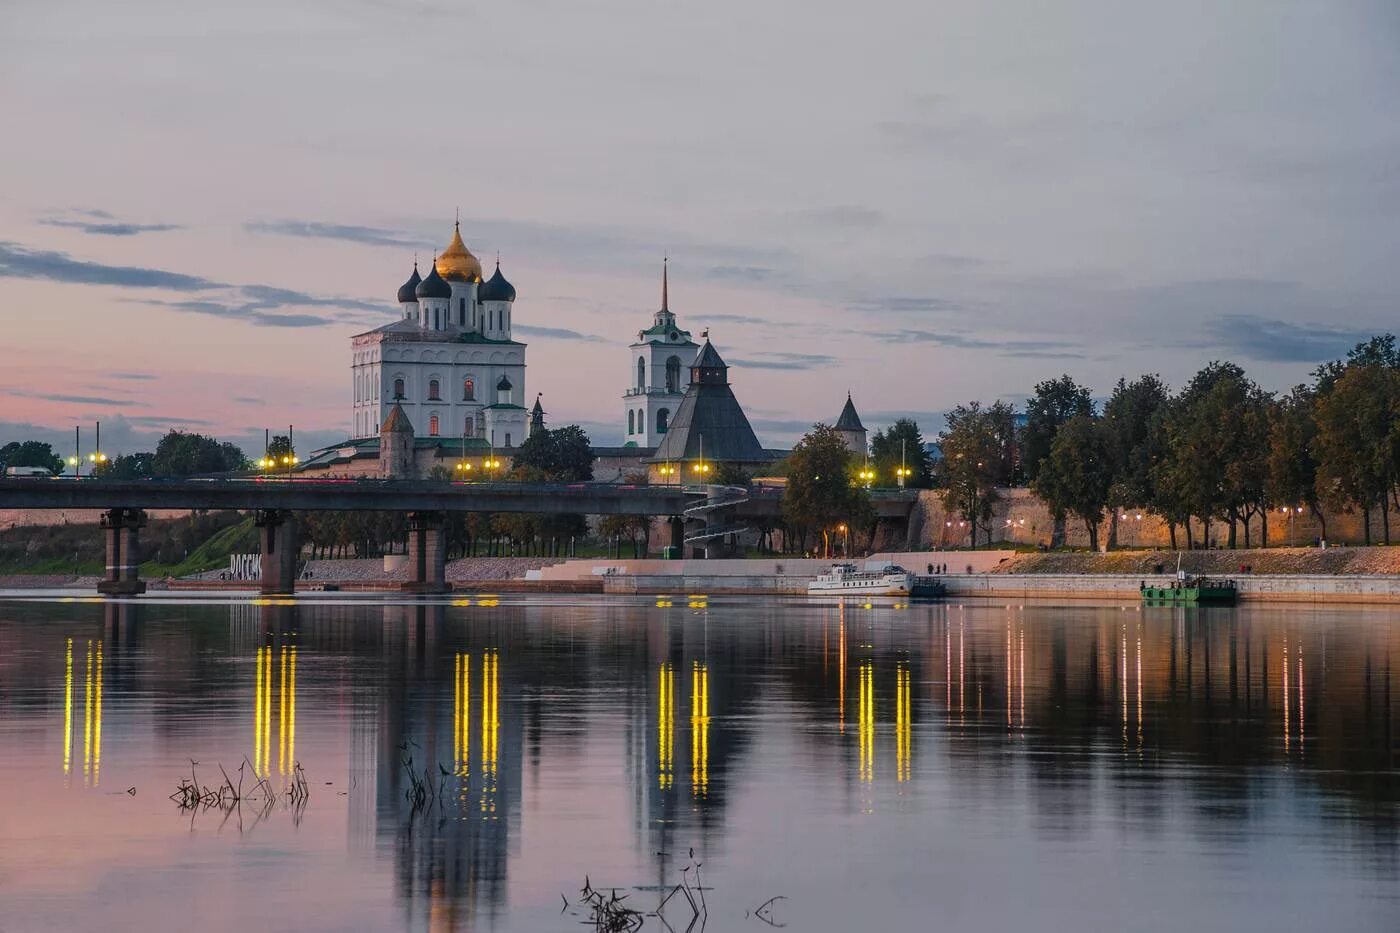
{"x":660,"y":373}
{"x":449,"y":361}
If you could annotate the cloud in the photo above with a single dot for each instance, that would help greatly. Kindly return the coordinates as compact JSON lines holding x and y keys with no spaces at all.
{"x":161,"y":421}
{"x":74,"y":399}
{"x":312,"y":229}
{"x":908,"y":304}
{"x":252,"y":312}
{"x":741,"y":273}
{"x":1034,"y":349}
{"x":730,"y":319}
{"x":557,"y":333}
{"x":18,"y":262}
{"x":108,"y":228}
{"x":135,"y":377}
{"x":1259,"y":338}
{"x":848,"y":216}
{"x":776,"y":360}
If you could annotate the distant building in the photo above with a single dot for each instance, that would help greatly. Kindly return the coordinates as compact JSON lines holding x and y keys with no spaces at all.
{"x":659,"y":369}
{"x":851,"y":430}
{"x":449,"y":361}
{"x":709,"y":426}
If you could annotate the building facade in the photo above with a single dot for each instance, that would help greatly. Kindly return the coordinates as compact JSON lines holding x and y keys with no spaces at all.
{"x":659,"y":373}
{"x":449,"y":361}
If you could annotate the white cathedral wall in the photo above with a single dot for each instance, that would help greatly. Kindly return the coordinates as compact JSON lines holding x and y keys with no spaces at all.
{"x":646,"y":403}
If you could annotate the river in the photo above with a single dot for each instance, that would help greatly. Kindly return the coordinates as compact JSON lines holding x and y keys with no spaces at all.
{"x":967,"y":766}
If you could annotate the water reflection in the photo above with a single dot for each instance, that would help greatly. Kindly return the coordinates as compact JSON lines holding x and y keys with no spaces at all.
{"x":1090,"y":713}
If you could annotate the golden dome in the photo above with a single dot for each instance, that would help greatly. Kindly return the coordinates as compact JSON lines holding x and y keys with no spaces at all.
{"x":456,"y":263}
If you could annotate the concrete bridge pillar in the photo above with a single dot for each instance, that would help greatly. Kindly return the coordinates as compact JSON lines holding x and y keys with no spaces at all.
{"x":277,"y":537}
{"x":427,"y":553}
{"x":122,"y":527}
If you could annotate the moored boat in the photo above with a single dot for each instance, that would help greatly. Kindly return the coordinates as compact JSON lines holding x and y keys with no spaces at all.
{"x":1192,"y":591}
{"x":890,"y":580}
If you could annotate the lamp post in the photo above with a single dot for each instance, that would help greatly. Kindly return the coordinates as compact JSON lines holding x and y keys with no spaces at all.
{"x":1294,"y":510}
{"x":903,"y":472}
{"x":701,"y":468}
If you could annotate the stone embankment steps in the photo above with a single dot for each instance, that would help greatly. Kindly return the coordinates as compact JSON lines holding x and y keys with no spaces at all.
{"x":1341,"y":561}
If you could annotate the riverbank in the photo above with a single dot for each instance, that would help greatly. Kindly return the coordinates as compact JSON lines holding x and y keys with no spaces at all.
{"x":1311,"y":561}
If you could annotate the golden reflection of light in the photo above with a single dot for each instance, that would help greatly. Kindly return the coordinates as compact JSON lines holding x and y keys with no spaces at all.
{"x":292,"y":711}
{"x":1139,"y":685}
{"x":947,"y":667}
{"x":97,"y":719}
{"x":257,"y":713}
{"x":1023,"y":671}
{"x":962,"y":682}
{"x":866,"y":721}
{"x":87,"y":712}
{"x":68,"y":708}
{"x":699,"y":730}
{"x":901,"y":723}
{"x":1010,"y":674}
{"x":282,"y":716}
{"x":1123,"y":678}
{"x":841,"y":669}
{"x":461,"y":713}
{"x":490,"y":729}
{"x":1287,"y":697}
{"x":1301,"y":721}
{"x":665,"y":724}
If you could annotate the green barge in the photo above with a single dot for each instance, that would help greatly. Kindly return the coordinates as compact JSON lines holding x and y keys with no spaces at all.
{"x":1192,"y":591}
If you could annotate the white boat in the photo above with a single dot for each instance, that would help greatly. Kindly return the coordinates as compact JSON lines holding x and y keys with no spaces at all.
{"x":890,"y":580}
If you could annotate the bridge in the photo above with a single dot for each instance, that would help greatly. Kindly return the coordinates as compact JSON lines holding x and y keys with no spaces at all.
{"x":275,"y":500}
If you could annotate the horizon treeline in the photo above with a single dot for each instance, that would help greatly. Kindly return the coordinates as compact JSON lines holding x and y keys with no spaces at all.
{"x":1221,"y":451}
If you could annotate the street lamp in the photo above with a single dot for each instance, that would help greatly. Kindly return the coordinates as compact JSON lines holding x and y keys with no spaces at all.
{"x":668,"y":470}
{"x":1296,"y":510}
{"x":463,"y":468}
{"x":867,"y":475}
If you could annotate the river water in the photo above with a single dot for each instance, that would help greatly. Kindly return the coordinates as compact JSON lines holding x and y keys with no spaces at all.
{"x":964,"y":766}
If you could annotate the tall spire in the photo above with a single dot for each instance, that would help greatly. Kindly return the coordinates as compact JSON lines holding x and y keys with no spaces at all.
{"x":665,"y":302}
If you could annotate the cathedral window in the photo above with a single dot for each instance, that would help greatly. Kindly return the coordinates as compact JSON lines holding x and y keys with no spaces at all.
{"x":673,"y":374}
{"x":641,"y":373}
{"x":398,"y":388}
{"x":469,"y":426}
{"x":433,"y":390}
{"x":631,"y":421}
{"x":641,"y":421}
{"x":433,"y":426}
{"x":468,"y":390}
{"x":462,"y":312}
{"x":663,"y":420}
{"x":507,"y":438}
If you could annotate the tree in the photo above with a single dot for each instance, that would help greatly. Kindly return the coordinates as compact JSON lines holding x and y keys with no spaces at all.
{"x":559,"y":455}
{"x":1379,"y":351}
{"x":1292,"y":460}
{"x":30,"y":454}
{"x":1130,"y":430}
{"x":901,"y":444}
{"x":973,"y":463}
{"x":130,"y":466}
{"x":726,"y":474}
{"x":819,"y":495}
{"x":280,"y":446}
{"x":1078,"y":473}
{"x":1356,"y":441}
{"x":185,"y":454}
{"x":1054,"y":403}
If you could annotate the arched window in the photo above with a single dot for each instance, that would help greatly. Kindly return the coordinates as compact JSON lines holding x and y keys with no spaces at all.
{"x":641,"y":421}
{"x":673,"y":374}
{"x":663,"y":419}
{"x":641,"y":373}
{"x":631,"y":421}
{"x":433,"y":426}
{"x":468,"y":390}
{"x":507,"y":438}
{"x":462,"y":312}
{"x":398,"y":388}
{"x":433,"y":390}
{"x":469,"y":427}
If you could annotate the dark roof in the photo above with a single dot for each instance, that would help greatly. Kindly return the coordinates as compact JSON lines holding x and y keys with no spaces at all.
{"x":433,"y":286}
{"x":503,"y":384}
{"x":709,"y":418}
{"x":708,"y":358}
{"x":849,"y":420}
{"x":538,"y":409}
{"x":407,"y":291}
{"x":397,"y":422}
{"x":496,"y":288}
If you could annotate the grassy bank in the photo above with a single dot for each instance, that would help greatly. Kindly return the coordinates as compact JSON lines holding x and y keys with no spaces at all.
{"x":172,"y":547}
{"x":1342,"y":561}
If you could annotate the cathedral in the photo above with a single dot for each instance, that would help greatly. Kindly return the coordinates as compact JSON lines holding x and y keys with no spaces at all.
{"x":661,"y":358}
{"x":448,"y":363}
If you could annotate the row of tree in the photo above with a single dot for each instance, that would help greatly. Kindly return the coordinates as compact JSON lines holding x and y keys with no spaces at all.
{"x":1221,"y":451}
{"x":178,"y":453}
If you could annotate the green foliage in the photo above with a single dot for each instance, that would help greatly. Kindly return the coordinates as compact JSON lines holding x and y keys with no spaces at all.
{"x":1054,"y":403}
{"x":129,"y":466}
{"x":184,"y":454}
{"x":560,"y":455}
{"x":30,"y":454}
{"x":819,"y":495}
{"x":1078,"y":473}
{"x":900,"y":444}
{"x":1357,"y":435}
{"x":976,"y":460}
{"x":1292,"y":459}
{"x":1132,"y":430}
{"x":280,"y":446}
{"x":731,"y":474}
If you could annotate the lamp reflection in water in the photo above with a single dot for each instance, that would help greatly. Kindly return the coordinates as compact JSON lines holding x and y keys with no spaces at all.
{"x":92,"y":711}
{"x":665,"y":725}
{"x":902,"y":731}
{"x":699,"y":730}
{"x":283,"y":668}
{"x":461,"y":713}
{"x":490,"y":726}
{"x":866,"y":721}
